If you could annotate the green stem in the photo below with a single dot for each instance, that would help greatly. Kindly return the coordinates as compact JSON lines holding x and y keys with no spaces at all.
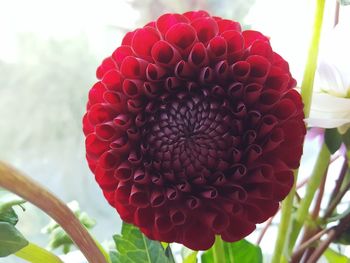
{"x":311,"y":63}
{"x":219,"y":251}
{"x":306,"y":92}
{"x":283,"y":229}
{"x":35,"y":254}
{"x":312,"y":186}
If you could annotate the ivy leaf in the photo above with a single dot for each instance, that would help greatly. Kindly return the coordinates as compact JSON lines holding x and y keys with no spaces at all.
{"x":9,"y":216}
{"x":241,"y":251}
{"x":11,"y":240}
{"x":334,"y":257}
{"x":134,"y":247}
{"x":332,"y":139}
{"x":8,"y":200}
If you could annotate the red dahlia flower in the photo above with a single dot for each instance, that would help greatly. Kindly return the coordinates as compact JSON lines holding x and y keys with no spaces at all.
{"x":193,"y":129}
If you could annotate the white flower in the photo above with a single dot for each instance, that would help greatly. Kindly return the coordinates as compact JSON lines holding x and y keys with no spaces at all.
{"x":330,"y":107}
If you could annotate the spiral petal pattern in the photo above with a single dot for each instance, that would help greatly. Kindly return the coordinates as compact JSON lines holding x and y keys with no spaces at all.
{"x":193,"y":129}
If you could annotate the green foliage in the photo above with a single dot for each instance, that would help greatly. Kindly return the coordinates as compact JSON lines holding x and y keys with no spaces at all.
{"x":237,"y":252}
{"x":346,"y":139}
{"x":188,"y":255}
{"x":134,"y":247}
{"x":332,"y":139}
{"x":11,"y":240}
{"x":58,"y":237}
{"x":334,"y":257}
{"x":9,"y":216}
{"x":8,"y":200}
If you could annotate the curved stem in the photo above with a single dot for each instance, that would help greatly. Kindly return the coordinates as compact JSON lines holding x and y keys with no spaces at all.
{"x":311,"y":63}
{"x":14,"y":181}
{"x":35,"y":254}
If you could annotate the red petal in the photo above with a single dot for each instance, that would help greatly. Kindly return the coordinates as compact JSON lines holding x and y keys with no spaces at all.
{"x":182,"y":36}
{"x":165,"y":22}
{"x":226,"y":25}
{"x":143,"y":41}
{"x":206,"y":29}
{"x":250,"y":36}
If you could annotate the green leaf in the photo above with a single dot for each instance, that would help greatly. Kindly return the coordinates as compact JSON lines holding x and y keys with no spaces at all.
{"x":134,"y":247}
{"x":35,"y":254}
{"x":334,"y":257}
{"x":237,"y":252}
{"x":332,"y":139}
{"x":9,"y":216}
{"x":169,"y":254}
{"x":8,"y":200}
{"x":188,"y":255}
{"x":11,"y":240}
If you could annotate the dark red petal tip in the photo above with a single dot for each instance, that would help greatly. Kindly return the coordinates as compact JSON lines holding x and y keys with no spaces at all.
{"x":194,"y":129}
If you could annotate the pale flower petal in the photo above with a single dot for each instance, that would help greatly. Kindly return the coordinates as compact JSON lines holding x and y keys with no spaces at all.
{"x":328,"y":111}
{"x":330,"y":107}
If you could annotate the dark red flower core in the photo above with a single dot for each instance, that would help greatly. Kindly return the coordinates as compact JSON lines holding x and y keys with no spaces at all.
{"x":193,"y":129}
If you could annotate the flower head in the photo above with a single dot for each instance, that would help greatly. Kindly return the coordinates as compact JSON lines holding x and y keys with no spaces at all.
{"x":193,"y":129}
{"x":330,"y":106}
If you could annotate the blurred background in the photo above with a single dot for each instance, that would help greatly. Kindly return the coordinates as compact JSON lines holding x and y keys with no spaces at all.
{"x":49,"y":51}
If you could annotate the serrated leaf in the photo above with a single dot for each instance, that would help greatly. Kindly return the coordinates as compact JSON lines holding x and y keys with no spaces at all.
{"x":332,"y":139}
{"x":11,"y":240}
{"x":8,"y":200}
{"x":241,"y":251}
{"x":134,"y":247}
{"x":334,"y":257}
{"x":9,"y":216}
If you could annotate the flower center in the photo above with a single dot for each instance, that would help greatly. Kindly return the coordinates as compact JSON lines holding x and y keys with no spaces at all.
{"x":190,"y":135}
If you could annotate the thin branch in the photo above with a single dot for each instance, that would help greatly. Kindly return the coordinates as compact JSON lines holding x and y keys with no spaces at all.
{"x":28,"y":189}
{"x":336,"y":201}
{"x":317,"y":207}
{"x":332,"y":235}
{"x":263,"y":231}
{"x":339,"y":181}
{"x":299,"y":252}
